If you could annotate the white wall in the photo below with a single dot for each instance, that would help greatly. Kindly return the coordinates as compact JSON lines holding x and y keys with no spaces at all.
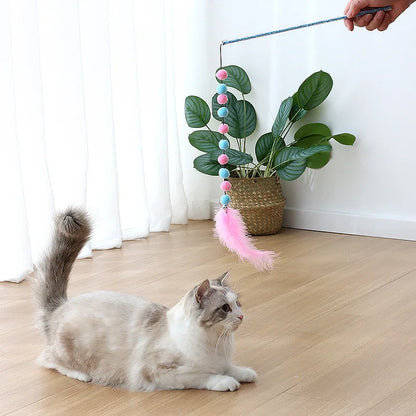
{"x":365,"y":189}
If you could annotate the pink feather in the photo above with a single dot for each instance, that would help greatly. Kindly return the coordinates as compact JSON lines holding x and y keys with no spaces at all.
{"x":232,"y":233}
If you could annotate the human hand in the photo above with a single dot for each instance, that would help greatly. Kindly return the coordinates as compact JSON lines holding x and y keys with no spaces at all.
{"x":379,"y":20}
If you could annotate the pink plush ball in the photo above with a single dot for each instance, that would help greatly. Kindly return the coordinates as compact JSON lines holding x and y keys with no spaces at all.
{"x":222,"y":99}
{"x":223,"y":159}
{"x":225,"y":186}
{"x":222,"y":74}
{"x":223,"y":128}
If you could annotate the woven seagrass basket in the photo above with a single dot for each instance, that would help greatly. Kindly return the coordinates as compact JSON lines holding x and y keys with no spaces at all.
{"x":260,"y":202}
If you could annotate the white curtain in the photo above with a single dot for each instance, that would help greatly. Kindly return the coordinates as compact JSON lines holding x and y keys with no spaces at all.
{"x":91,"y":111}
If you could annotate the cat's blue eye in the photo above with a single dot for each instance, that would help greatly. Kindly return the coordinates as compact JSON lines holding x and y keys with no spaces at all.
{"x":226,"y":307}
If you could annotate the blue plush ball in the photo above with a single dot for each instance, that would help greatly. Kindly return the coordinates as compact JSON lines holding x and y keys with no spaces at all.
{"x":225,"y":199}
{"x":223,"y":144}
{"x":222,"y":112}
{"x":221,"y":89}
{"x":224,"y":173}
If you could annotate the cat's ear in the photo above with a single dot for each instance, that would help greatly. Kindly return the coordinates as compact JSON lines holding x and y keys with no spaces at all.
{"x":202,"y":290}
{"x":222,"y":279}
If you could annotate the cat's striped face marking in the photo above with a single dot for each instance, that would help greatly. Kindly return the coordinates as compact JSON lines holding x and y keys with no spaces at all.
{"x":218,"y":304}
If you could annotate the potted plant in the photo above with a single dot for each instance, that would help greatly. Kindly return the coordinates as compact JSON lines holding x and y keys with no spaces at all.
{"x":275,"y":156}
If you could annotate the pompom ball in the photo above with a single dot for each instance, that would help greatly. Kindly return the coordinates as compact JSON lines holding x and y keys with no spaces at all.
{"x":225,"y":186}
{"x":222,"y":99}
{"x":225,"y":199}
{"x":222,"y":74}
{"x":223,"y":144}
{"x":223,"y":128}
{"x":222,"y":159}
{"x":222,"y":112}
{"x":224,"y":173}
{"x":221,"y":89}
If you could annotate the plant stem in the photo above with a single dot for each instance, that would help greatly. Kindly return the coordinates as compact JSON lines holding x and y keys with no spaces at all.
{"x":286,"y":129}
{"x":289,"y":126}
{"x":238,"y":144}
{"x":245,"y":122}
{"x":243,"y":168}
{"x":270,"y":161}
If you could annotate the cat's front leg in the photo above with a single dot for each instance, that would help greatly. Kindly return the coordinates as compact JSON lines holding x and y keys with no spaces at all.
{"x":242,"y":374}
{"x":177,"y":380}
{"x":222,"y":383}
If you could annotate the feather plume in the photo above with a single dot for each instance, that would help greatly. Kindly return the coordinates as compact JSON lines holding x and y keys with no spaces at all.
{"x":232,"y":233}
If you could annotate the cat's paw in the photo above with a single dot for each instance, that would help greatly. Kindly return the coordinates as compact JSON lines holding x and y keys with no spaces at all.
{"x":247,"y":375}
{"x":222,"y":383}
{"x":243,"y":374}
{"x":74,"y":374}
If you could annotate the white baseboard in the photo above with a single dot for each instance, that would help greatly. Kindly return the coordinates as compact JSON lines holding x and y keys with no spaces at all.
{"x":346,"y":223}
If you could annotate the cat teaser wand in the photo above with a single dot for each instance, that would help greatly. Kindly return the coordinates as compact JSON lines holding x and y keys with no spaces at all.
{"x":229,"y":225}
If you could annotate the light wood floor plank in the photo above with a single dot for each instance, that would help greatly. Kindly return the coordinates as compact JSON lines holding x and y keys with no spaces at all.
{"x":330,"y":331}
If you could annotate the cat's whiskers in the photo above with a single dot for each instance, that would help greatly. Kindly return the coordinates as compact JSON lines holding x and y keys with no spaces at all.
{"x":224,"y":337}
{"x":222,"y":340}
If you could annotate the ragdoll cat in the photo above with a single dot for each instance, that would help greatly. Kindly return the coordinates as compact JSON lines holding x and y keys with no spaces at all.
{"x":120,"y":340}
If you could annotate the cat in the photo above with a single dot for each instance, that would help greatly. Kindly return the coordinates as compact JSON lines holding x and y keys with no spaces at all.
{"x":119,"y":340}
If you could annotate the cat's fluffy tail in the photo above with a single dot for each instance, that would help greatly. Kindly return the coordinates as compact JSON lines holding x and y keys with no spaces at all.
{"x":72,"y":230}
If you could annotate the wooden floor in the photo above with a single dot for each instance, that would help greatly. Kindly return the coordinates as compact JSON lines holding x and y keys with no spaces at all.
{"x":330,"y":331}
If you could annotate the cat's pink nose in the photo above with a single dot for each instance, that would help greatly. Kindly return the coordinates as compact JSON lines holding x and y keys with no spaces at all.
{"x":240,"y":317}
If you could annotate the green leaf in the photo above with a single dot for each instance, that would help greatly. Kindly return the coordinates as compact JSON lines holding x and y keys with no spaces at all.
{"x":292,"y":153}
{"x":238,"y":158}
{"x":264,"y":146}
{"x":197,"y":112}
{"x":314,"y":90}
{"x":237,"y":78}
{"x":241,"y":119}
{"x":205,"y":164}
{"x":289,"y":166}
{"x":205,"y":140}
{"x":296,"y":113}
{"x":344,"y":138}
{"x":282,"y":116}
{"x":215,"y":106}
{"x":326,"y":147}
{"x":312,"y":129}
{"x":310,"y":141}
{"x":293,"y":170}
{"x":319,"y":160}
{"x":235,"y":156}
{"x":291,"y":162}
{"x":286,"y":155}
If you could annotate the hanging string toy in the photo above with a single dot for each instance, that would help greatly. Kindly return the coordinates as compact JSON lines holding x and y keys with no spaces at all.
{"x":229,"y":225}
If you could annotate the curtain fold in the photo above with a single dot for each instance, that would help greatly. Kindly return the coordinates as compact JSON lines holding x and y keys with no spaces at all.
{"x":16,"y":252}
{"x":91,"y":115}
{"x":102,"y":181}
